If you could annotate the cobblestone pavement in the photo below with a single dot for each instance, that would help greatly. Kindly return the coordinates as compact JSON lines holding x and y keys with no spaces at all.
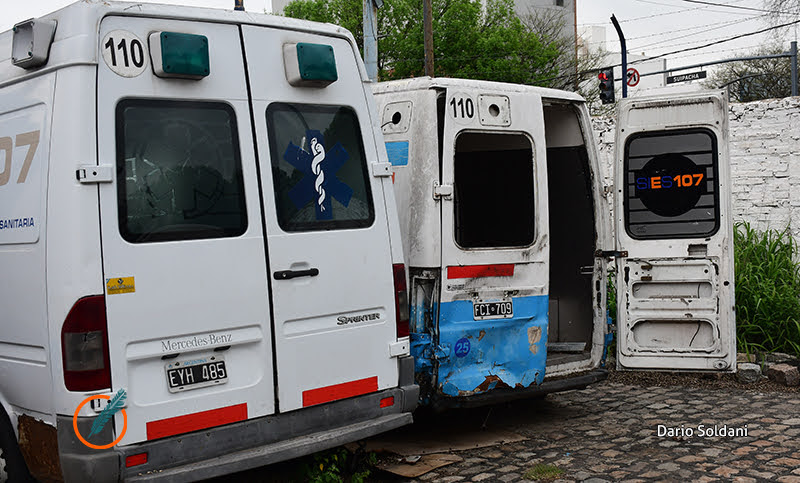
{"x":610,"y":432}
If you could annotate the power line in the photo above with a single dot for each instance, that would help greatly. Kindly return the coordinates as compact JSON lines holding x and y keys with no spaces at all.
{"x":656,"y":15}
{"x":693,"y":42}
{"x":701,"y":2}
{"x":710,"y":4}
{"x":648,"y":16}
{"x":711,"y":53}
{"x":719,"y":42}
{"x":697,"y":33}
{"x":661,"y":34}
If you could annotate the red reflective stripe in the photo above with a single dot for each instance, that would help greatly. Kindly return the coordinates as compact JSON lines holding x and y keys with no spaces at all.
{"x":387,"y":402}
{"x":196,"y":421}
{"x":472,"y":271}
{"x":135,"y":460}
{"x":340,"y":391}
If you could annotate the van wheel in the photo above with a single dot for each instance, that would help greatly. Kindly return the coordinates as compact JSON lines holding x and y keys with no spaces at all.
{"x":12,"y":464}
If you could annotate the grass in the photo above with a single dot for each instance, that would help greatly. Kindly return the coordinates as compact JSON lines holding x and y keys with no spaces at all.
{"x":337,"y":465}
{"x":767,"y":290}
{"x":543,"y":472}
{"x":767,"y":283}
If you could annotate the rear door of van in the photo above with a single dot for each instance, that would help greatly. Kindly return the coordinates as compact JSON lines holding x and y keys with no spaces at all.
{"x":675,"y":289}
{"x":327,"y":222}
{"x":495,"y":255}
{"x":215,"y":315}
{"x":184,"y":262}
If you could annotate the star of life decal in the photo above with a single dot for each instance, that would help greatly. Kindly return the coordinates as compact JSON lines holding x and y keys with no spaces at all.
{"x":320,"y":183}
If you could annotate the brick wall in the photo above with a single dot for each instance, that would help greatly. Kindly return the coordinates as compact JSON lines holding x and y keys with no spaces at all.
{"x":765,"y":161}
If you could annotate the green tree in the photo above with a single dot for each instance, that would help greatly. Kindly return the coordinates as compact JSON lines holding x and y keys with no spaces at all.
{"x":346,"y":13}
{"x":751,"y":80}
{"x":470,"y":41}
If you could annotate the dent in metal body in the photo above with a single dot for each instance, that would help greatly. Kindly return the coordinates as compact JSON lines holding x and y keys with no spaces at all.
{"x":502,"y":352}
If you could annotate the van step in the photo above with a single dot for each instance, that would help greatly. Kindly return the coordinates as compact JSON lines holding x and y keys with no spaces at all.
{"x":566,"y":346}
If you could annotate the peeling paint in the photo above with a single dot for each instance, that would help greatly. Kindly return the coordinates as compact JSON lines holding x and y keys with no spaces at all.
{"x":38,"y":443}
{"x":483,"y":334}
{"x":534,"y":335}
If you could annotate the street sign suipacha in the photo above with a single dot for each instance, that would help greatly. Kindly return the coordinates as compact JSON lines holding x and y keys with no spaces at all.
{"x":672,"y":79}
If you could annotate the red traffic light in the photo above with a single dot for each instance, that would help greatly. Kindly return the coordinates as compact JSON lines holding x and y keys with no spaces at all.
{"x":602,"y":76}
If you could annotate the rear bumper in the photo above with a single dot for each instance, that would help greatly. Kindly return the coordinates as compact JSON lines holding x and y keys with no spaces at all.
{"x":244,"y":445}
{"x":495,"y":396}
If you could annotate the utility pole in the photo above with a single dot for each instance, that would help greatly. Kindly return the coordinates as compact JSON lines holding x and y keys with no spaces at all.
{"x":624,"y":51}
{"x":371,"y":37}
{"x":427,"y":22}
{"x":793,"y":53}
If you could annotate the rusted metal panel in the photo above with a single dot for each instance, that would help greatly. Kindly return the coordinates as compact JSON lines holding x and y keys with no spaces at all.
{"x":38,"y":443}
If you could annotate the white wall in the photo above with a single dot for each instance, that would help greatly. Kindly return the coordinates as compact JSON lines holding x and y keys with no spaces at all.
{"x":765,"y":161}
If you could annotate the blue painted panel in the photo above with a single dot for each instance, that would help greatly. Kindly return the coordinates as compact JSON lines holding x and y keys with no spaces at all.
{"x":397,"y":152}
{"x":484,"y":354}
{"x":421,"y":349}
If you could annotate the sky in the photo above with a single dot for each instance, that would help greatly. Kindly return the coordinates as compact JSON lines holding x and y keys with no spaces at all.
{"x":651,"y":26}
{"x":656,"y":27}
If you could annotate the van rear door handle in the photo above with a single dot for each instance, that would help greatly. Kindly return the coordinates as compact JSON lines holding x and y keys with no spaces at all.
{"x":287,"y":274}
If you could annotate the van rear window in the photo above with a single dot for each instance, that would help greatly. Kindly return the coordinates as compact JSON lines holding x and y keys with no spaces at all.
{"x":179,"y":172}
{"x":671,"y":185}
{"x":493,"y":190}
{"x":319,"y":169}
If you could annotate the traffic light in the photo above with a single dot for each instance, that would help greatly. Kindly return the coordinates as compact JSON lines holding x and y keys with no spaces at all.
{"x":606,"y":77}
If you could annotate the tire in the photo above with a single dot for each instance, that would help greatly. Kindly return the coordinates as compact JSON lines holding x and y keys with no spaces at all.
{"x":12,"y":465}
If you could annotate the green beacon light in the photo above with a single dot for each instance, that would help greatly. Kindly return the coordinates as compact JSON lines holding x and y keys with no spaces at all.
{"x":180,"y":55}
{"x":309,"y":65}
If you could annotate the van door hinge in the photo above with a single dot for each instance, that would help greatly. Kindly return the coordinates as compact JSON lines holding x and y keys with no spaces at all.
{"x":442,"y":191}
{"x":611,"y":253}
{"x":95,"y":174}
{"x":381,"y":169}
{"x":399,"y":348}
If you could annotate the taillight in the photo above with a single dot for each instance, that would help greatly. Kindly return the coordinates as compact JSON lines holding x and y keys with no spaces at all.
{"x":400,"y":299}
{"x":84,"y":346}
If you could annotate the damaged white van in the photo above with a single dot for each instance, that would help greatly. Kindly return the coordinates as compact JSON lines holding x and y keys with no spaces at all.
{"x":197,"y":223}
{"x":507,"y":233}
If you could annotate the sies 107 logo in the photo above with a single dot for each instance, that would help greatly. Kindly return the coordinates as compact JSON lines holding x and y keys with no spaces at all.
{"x":114,"y":404}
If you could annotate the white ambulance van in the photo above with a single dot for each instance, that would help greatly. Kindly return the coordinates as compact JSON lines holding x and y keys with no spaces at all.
{"x":196,"y":212}
{"x":507,"y":233}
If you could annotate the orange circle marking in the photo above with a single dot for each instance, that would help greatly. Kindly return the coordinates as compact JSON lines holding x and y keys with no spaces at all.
{"x":95,"y":446}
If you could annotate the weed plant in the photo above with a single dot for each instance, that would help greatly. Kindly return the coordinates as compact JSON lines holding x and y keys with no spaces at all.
{"x":767,"y":290}
{"x":542,"y":472}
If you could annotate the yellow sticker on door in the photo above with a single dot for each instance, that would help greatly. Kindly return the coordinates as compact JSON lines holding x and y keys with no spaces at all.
{"x":120,"y":285}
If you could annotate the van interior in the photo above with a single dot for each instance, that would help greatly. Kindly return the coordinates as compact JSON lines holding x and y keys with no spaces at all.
{"x":572,"y":236}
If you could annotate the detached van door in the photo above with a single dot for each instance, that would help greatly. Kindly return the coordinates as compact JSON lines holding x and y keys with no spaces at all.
{"x":495,"y":255}
{"x":183,"y":251}
{"x":330,"y":254}
{"x":674,"y":234}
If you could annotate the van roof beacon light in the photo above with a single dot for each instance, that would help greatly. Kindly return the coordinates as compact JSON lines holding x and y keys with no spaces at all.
{"x":31,"y":45}
{"x":180,"y":55}
{"x":309,"y":65}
